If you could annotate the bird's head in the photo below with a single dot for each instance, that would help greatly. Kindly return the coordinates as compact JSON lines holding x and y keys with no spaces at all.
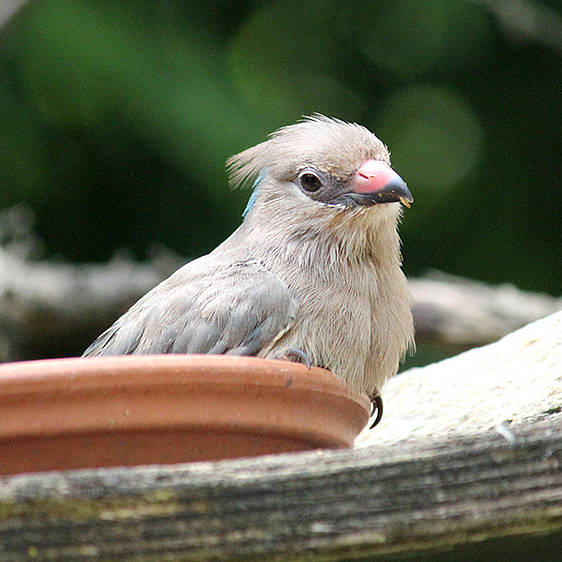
{"x":321,"y":164}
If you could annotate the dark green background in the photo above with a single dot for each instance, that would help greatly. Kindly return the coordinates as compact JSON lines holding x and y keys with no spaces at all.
{"x":116,"y":119}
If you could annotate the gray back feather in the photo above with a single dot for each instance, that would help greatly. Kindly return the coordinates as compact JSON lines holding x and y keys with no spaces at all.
{"x":211,"y":305}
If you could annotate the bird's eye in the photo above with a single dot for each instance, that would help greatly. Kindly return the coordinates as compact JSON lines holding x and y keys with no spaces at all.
{"x":310,"y":181}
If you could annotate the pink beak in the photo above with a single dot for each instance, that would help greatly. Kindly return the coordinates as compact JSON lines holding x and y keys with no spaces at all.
{"x":378,"y":181}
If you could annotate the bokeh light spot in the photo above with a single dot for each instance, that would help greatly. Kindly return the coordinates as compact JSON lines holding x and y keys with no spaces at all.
{"x":433,"y":132}
{"x":287,"y":55}
{"x":409,"y":39}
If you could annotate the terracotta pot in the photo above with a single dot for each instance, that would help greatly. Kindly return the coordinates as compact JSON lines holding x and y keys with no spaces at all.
{"x":110,"y":411}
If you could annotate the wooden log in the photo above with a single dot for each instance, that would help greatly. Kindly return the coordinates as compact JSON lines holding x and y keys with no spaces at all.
{"x":461,"y":312}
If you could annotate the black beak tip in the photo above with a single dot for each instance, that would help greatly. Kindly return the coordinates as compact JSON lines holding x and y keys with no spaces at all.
{"x":394,"y":192}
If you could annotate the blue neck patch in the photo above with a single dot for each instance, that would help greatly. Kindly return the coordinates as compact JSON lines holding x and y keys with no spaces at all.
{"x":254,"y":196}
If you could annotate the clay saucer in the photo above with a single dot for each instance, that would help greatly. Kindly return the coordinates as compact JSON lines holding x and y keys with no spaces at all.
{"x":61,"y":414}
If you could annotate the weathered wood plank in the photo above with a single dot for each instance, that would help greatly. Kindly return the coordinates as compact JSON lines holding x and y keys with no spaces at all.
{"x":374,"y":502}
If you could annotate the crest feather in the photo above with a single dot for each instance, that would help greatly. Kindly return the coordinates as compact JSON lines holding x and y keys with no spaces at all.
{"x":245,"y":167}
{"x":316,"y":140}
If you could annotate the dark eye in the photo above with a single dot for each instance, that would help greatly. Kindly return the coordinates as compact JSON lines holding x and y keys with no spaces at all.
{"x":310,"y":181}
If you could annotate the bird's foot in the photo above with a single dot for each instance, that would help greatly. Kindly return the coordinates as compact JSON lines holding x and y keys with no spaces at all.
{"x":376,"y":402}
{"x":299,"y":356}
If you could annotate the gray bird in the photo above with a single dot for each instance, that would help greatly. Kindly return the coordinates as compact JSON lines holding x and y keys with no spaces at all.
{"x":313,"y":271}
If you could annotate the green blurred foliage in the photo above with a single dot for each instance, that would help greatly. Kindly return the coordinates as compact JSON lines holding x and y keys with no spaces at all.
{"x":117,"y":118}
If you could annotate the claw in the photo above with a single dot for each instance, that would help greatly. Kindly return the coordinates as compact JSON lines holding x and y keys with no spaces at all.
{"x":300,"y":355}
{"x":376,"y":402}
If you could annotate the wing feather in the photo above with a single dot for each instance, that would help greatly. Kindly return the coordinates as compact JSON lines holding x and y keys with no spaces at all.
{"x":237,"y":309}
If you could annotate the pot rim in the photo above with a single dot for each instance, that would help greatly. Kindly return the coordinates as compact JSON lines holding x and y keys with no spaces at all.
{"x":163,"y":392}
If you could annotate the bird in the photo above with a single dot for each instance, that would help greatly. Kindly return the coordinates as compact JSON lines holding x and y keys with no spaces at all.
{"x":313,"y":273}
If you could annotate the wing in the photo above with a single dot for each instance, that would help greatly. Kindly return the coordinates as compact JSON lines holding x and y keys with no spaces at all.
{"x":236,"y":309}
